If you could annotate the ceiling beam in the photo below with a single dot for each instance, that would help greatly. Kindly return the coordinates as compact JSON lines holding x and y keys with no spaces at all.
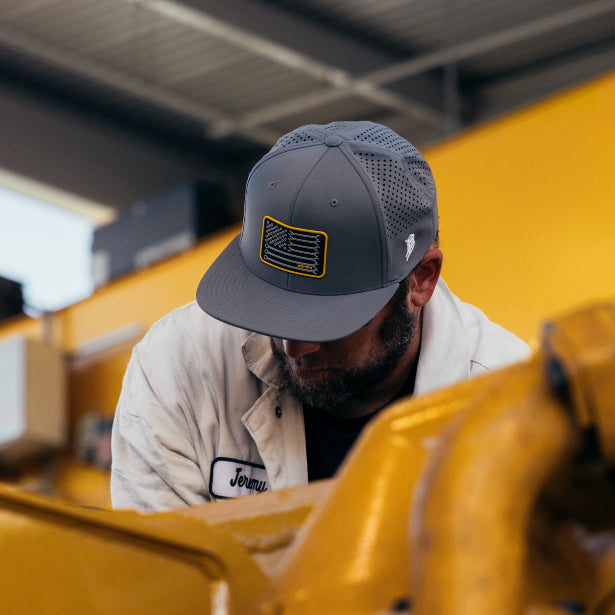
{"x":282,"y":38}
{"x":289,"y":40}
{"x":375,"y":81}
{"x":129,"y":84}
{"x":349,"y":67}
{"x":492,"y":42}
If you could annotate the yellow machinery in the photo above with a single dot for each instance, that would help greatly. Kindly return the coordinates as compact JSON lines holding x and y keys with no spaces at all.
{"x":495,"y":496}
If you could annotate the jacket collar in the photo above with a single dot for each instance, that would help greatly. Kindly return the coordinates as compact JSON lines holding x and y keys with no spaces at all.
{"x":260,"y":360}
{"x":445,"y":351}
{"x":275,"y":420}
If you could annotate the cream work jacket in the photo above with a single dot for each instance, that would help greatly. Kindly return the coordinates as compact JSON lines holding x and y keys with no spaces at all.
{"x":202,"y":416}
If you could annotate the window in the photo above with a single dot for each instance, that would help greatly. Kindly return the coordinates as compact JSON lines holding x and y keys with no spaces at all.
{"x":47,"y":249}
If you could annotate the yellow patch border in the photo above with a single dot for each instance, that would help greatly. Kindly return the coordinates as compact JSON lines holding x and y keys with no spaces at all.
{"x":303,"y":230}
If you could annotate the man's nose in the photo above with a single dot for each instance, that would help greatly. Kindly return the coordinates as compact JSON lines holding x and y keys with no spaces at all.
{"x":294,"y":349}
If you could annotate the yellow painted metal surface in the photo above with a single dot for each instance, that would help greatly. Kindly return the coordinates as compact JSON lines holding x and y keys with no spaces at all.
{"x":266,"y":526}
{"x":521,"y":490}
{"x":57,"y":560}
{"x":470,"y":522}
{"x":491,"y":513}
{"x":354,"y":536}
{"x":493,"y":496}
{"x":582,"y":344}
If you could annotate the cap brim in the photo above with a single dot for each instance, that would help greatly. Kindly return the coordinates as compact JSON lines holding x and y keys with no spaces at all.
{"x":230,"y":292}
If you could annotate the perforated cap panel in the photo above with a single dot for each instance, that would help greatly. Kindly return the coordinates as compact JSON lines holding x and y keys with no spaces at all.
{"x":403,"y":204}
{"x":401,"y":176}
{"x":296,"y":137}
{"x":405,"y":185}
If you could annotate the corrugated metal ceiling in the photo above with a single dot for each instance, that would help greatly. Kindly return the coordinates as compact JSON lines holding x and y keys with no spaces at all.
{"x":229,"y":77}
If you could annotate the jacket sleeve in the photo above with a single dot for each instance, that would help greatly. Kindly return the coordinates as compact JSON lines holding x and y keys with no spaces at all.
{"x":155,"y":465}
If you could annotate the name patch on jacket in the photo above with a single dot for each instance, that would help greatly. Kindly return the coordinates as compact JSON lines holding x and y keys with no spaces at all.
{"x":233,"y":478}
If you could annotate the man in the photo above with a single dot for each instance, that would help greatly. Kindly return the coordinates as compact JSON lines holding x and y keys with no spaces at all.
{"x":325,"y":309}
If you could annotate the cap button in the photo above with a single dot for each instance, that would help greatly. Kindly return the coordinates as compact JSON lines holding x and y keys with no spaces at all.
{"x":333,"y":140}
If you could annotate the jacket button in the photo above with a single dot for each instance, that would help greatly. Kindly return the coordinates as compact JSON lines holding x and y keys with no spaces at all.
{"x":278,"y":412}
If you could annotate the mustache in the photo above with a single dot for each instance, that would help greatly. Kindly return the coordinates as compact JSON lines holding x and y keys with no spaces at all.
{"x":305,"y":362}
{"x":314,"y":364}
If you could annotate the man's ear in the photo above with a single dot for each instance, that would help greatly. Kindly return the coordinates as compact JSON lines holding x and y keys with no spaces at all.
{"x":425,"y":277}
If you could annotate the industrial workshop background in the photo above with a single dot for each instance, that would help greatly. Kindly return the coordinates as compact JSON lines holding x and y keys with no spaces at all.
{"x":526,"y":190}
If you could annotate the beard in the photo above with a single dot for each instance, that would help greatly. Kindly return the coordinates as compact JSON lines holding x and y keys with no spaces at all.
{"x":343,"y":384}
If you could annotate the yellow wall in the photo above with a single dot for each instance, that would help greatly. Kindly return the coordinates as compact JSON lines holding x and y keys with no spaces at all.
{"x":527,"y":208}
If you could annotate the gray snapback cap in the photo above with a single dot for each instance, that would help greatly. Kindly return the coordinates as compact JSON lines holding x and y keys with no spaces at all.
{"x":335,"y":216}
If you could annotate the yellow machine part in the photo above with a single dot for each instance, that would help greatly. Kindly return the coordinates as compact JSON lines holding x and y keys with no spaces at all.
{"x":58,"y":560}
{"x":493,"y":496}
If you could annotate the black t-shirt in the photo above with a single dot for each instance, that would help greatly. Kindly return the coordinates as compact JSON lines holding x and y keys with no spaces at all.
{"x":328,"y":438}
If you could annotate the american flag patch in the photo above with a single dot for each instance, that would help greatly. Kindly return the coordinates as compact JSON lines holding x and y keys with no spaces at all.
{"x":291,"y":249}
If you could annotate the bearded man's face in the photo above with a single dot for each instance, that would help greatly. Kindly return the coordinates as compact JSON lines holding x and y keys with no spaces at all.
{"x":328,"y":374}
